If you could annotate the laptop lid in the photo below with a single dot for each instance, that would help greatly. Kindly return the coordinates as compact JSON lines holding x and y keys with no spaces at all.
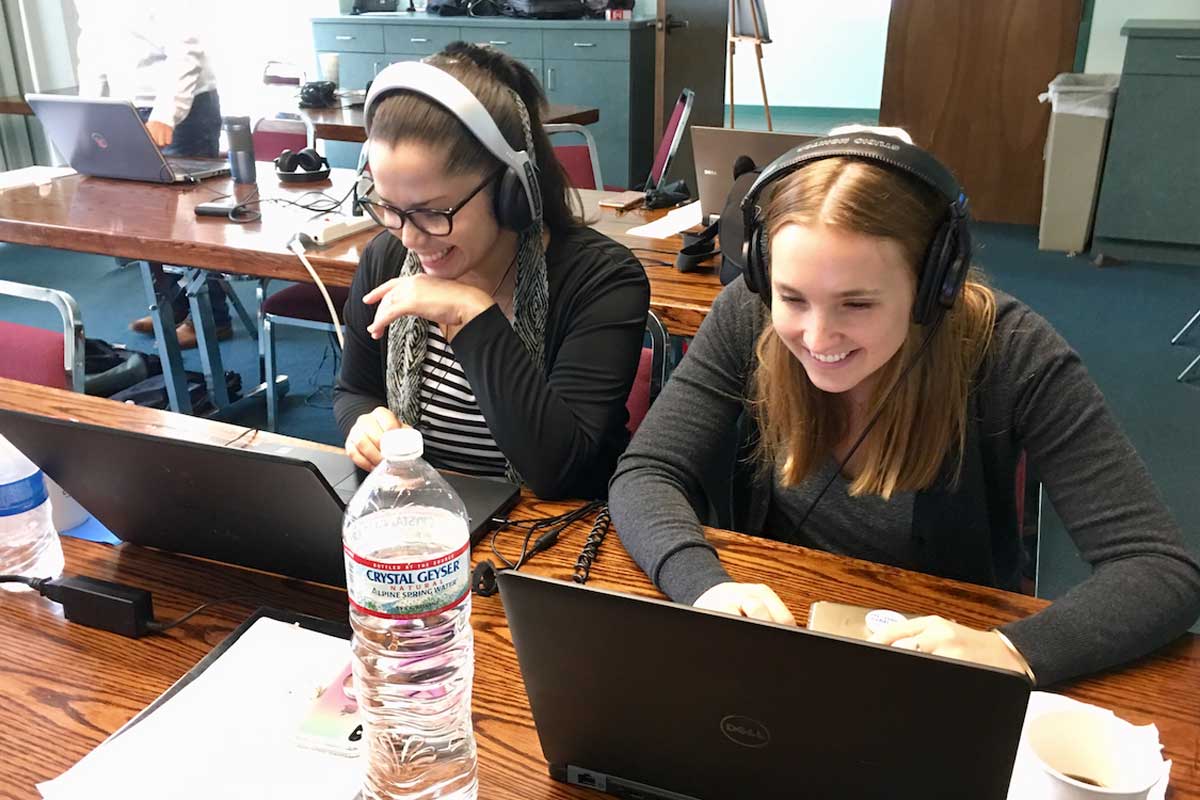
{"x":672,"y":136}
{"x":645,"y":698}
{"x":106,"y":138}
{"x":266,"y":509}
{"x":716,"y":150}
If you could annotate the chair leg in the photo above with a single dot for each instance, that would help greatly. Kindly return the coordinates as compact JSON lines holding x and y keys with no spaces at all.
{"x":1175,"y":339}
{"x":243,"y":315}
{"x":1189,"y":368}
{"x":272,"y":395}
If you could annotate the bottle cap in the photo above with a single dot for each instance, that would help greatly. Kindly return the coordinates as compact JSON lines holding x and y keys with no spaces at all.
{"x":880,"y":618}
{"x":401,"y":444}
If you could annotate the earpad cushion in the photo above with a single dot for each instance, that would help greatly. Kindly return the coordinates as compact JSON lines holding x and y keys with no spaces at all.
{"x":286,"y":161}
{"x":510,"y":203}
{"x":309,"y":159}
{"x":933,"y":271}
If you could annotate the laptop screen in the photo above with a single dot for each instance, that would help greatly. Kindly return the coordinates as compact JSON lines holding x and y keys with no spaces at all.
{"x":672,"y":135}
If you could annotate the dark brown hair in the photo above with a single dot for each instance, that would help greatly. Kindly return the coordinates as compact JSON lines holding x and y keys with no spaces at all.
{"x":489,"y":74}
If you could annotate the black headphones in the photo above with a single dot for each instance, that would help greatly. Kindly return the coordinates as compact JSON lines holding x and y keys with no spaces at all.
{"x":304,"y":166}
{"x":517,"y":200}
{"x":948,"y":258}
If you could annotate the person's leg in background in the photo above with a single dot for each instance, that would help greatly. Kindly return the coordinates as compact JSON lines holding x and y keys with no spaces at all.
{"x":197,"y":136}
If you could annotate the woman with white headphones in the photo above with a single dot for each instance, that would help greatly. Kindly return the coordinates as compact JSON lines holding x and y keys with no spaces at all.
{"x":886,"y":396}
{"x":486,"y":315}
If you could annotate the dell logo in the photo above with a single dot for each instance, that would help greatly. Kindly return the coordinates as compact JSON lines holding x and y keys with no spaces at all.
{"x":745,"y":731}
{"x":100,"y":141}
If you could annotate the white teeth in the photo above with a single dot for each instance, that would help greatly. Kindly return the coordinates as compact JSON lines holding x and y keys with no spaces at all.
{"x":434,"y":256}
{"x":832,"y":358}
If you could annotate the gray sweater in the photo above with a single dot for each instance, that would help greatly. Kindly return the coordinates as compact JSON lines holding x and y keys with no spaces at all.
{"x":1032,"y":394}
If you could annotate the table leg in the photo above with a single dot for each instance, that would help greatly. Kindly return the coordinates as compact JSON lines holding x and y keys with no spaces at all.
{"x":206,"y":336}
{"x":174,"y":377}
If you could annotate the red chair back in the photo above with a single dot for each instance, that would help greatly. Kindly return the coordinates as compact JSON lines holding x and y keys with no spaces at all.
{"x":32,"y":355}
{"x":577,"y":163}
{"x":638,"y":402}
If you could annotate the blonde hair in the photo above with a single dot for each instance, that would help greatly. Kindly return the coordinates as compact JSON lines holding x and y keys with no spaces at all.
{"x":925,"y":419}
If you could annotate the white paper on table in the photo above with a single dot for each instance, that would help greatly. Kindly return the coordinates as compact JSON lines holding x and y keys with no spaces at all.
{"x":675,"y":220}
{"x":1029,"y":782}
{"x":230,"y":733}
{"x":32,"y":176}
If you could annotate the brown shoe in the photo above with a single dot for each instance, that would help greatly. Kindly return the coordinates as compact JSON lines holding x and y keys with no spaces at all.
{"x":142,"y":325}
{"x":186,"y":333}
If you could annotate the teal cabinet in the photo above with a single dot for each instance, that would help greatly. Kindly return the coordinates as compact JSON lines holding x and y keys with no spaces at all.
{"x":1149,"y":208}
{"x":604,"y":65}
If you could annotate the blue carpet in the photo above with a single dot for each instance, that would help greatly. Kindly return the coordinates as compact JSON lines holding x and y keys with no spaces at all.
{"x":109,"y":296}
{"x":800,"y":119}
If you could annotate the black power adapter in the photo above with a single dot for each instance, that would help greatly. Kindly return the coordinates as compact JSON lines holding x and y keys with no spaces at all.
{"x":100,"y":604}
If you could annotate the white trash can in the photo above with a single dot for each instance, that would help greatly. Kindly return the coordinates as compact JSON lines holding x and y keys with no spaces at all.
{"x":1081,"y":110}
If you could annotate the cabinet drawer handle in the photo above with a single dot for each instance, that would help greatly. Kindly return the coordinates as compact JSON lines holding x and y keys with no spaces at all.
{"x":551,"y":83}
{"x":418,"y":40}
{"x":585,"y":44}
{"x":497,"y":43}
{"x":1187,"y":58}
{"x":344,"y":38}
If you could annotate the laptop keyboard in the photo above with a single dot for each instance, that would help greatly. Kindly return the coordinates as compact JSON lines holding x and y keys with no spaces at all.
{"x":188,"y":166}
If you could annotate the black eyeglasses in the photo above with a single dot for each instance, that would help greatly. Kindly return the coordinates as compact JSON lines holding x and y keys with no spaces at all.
{"x":430,"y":221}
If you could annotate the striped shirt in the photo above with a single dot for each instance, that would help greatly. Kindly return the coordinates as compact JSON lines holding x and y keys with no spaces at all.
{"x":456,"y":435}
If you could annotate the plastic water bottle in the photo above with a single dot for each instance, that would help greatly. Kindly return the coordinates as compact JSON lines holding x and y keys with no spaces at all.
{"x":408,"y":575}
{"x":29,"y":544}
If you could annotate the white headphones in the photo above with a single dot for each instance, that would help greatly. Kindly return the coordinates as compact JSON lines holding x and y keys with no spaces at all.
{"x":518,"y":198}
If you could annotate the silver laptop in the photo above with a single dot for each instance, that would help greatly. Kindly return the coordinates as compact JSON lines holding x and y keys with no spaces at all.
{"x":717,"y":148}
{"x":106,"y":138}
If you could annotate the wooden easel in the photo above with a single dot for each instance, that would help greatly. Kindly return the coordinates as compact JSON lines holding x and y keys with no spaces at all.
{"x":758,"y":43}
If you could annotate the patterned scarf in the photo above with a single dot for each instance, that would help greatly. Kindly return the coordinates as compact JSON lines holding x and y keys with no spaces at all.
{"x":531,"y":303}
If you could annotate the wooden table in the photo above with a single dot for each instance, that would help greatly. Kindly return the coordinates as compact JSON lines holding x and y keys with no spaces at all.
{"x":73,"y":686}
{"x":342,"y":124}
{"x":157,"y":222}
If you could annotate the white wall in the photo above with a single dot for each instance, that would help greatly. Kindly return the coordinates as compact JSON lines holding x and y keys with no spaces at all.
{"x":1106,"y":45}
{"x":243,"y":35}
{"x":822,"y":53}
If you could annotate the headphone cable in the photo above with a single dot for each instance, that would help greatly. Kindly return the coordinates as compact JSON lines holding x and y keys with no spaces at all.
{"x":871,"y":423}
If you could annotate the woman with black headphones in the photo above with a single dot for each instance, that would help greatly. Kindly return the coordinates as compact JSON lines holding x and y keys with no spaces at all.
{"x":486,"y":315}
{"x":882,"y":399}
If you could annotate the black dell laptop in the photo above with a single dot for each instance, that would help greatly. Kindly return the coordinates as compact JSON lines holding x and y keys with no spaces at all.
{"x":272,"y":508}
{"x":648,"y":699}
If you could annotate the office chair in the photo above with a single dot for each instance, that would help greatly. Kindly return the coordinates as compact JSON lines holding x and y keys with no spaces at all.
{"x":300,"y":306}
{"x":581,"y":162}
{"x":652,"y":373}
{"x":35,"y":355}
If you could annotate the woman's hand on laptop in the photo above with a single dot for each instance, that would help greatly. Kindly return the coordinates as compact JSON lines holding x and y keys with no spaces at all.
{"x":160,"y":132}
{"x":941,"y":637}
{"x":754,"y":600}
{"x":362,"y":445}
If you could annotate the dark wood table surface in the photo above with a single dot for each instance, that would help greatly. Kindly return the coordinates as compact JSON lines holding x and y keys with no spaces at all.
{"x":73,"y":686}
{"x":342,"y":124}
{"x":158,"y":222}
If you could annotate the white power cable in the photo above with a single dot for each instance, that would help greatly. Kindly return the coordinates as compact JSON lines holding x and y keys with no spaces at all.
{"x":297,"y":247}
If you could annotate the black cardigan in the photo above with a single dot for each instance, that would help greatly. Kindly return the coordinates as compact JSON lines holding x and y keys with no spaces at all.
{"x":1033,"y":394}
{"x":562,"y":428}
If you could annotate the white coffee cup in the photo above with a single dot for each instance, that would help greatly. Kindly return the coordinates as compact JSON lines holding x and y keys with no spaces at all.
{"x":329,"y":67}
{"x":1090,"y":754}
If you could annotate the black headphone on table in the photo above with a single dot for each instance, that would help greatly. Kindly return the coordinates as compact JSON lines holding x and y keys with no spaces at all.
{"x":304,"y":166}
{"x":517,"y":200}
{"x":948,"y":257}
